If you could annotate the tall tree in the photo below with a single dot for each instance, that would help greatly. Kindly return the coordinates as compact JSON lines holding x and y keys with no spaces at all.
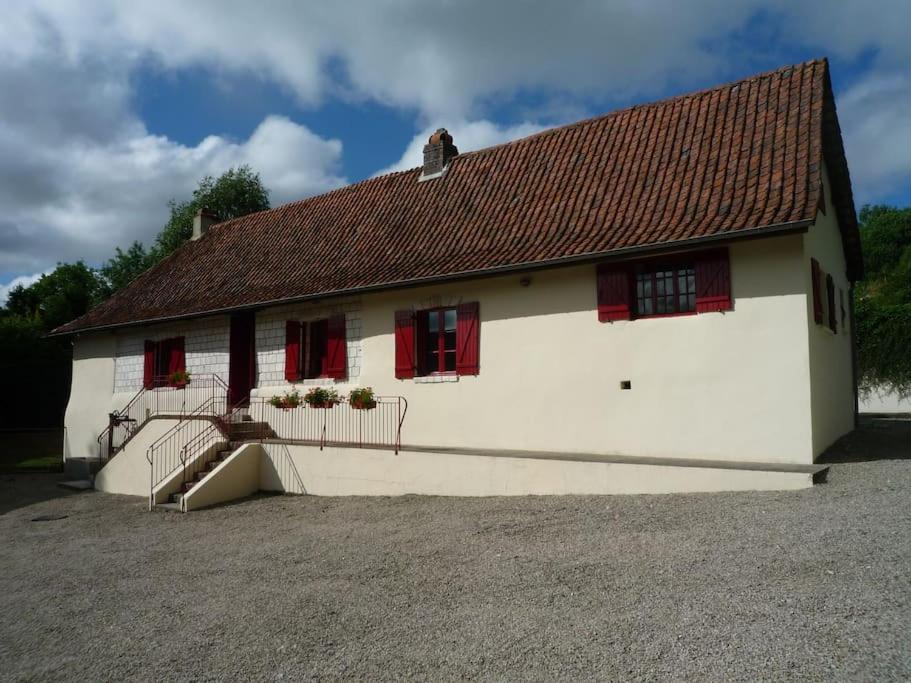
{"x":883,"y":299}
{"x":35,"y":368}
{"x":235,"y":193}
{"x":58,"y":297}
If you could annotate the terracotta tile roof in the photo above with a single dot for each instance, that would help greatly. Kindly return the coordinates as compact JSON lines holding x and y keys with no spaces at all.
{"x":737,"y":157}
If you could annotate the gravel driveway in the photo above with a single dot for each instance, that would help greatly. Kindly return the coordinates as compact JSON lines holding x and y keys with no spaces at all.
{"x":751,"y":586}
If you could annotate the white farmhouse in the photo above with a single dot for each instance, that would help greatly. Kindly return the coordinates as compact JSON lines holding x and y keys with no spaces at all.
{"x":653,"y":300}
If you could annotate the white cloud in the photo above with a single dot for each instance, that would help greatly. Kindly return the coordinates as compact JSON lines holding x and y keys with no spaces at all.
{"x":24,"y":280}
{"x":467,"y":136}
{"x":874,"y":115}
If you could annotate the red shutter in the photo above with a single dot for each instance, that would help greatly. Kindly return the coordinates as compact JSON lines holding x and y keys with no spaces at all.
{"x":713,"y":282}
{"x":467,"y":339}
{"x":830,"y":295}
{"x":292,"y":350}
{"x":337,"y":348}
{"x":173,"y":353}
{"x":817,"y":295}
{"x":404,"y":344}
{"x":148,"y":365}
{"x":613,"y":294}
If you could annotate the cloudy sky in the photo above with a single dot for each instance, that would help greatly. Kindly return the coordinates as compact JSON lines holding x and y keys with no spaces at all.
{"x":111,"y":108}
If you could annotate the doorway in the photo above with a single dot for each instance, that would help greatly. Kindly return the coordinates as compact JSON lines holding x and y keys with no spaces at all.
{"x":241,"y":358}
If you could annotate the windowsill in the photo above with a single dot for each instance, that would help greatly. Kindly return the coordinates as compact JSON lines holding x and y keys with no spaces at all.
{"x":436,"y":378}
{"x":664,"y":315}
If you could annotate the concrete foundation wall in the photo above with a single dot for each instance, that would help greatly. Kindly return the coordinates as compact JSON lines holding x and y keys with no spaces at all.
{"x":365,"y":472}
{"x":236,"y":477}
{"x":883,"y":401}
{"x":128,"y":473}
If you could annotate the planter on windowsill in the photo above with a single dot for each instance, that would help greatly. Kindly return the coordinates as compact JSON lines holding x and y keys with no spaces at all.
{"x":363,"y":405}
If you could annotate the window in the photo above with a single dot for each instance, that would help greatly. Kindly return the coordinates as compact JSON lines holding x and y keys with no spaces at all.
{"x":698,"y":282}
{"x":317,"y":346}
{"x":438,"y":341}
{"x":162,"y":359}
{"x":316,"y":349}
{"x":665,"y":291}
{"x":438,"y":332}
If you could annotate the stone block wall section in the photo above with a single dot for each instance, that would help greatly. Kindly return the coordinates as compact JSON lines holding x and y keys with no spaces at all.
{"x":270,"y":339}
{"x":205,"y":343}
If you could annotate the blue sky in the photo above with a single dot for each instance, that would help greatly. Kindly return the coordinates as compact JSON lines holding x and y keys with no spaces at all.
{"x":111,"y":109}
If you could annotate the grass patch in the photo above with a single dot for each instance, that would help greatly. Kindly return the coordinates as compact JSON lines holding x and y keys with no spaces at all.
{"x":48,"y":462}
{"x":37,"y":450}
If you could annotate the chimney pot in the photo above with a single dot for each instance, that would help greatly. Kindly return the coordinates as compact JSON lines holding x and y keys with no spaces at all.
{"x":204,"y":219}
{"x":438,"y":152}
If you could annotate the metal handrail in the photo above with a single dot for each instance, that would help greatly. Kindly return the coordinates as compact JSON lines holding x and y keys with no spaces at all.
{"x":341,"y":425}
{"x":147,"y":402}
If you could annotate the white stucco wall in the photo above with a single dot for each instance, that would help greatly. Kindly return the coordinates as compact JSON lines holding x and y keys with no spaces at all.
{"x":731,"y":385}
{"x":728,"y":386}
{"x":831,"y":376}
{"x":91,"y":394}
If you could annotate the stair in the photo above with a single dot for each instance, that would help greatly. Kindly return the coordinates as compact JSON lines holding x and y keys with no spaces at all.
{"x":240,"y":428}
{"x":248,"y":430}
{"x":207,"y":467}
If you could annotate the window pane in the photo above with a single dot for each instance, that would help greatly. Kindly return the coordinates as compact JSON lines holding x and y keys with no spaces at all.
{"x":449,"y":340}
{"x":433,"y":319}
{"x":431,"y":359}
{"x":450,"y":319}
{"x":450,"y":359}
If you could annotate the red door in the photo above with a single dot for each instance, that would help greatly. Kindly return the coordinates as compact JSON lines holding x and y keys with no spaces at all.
{"x":242,"y":358}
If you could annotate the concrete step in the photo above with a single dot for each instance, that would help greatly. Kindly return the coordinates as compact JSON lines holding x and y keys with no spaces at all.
{"x":171,"y":507}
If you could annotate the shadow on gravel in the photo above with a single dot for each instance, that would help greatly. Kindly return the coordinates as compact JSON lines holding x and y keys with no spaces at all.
{"x":20,"y":490}
{"x":876,"y":438}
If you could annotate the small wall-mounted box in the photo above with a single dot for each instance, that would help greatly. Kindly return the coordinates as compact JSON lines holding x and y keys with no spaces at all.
{"x":626,"y":384}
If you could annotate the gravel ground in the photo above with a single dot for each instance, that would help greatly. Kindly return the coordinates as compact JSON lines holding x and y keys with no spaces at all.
{"x":736,"y":586}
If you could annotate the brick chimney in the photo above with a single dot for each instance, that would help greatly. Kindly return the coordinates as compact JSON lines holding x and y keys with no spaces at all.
{"x":437,"y":153}
{"x":204,"y":219}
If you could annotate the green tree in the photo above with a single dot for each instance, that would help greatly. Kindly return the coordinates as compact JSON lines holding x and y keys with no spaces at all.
{"x":883,"y":299}
{"x":124,"y":267}
{"x":58,"y":297}
{"x":235,"y":193}
{"x":27,"y":354}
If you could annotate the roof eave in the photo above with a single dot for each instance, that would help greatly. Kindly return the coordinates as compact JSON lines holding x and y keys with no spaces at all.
{"x":576,"y":259}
